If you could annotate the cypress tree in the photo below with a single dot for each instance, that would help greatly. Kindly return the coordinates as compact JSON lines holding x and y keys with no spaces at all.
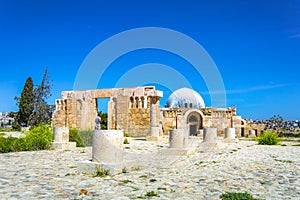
{"x":26,"y":102}
{"x":42,"y":112}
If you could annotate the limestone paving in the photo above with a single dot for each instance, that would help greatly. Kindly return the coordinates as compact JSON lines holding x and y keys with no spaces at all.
{"x":267,"y":172}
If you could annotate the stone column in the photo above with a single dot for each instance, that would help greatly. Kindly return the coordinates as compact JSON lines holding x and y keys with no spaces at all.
{"x":108,"y":146}
{"x":178,"y":144}
{"x":154,"y":126}
{"x":210,"y":135}
{"x":230,"y":135}
{"x":145,"y":101}
{"x":107,"y":154}
{"x":178,"y":138}
{"x":61,"y":139}
{"x":209,"y":139}
{"x":61,"y":134}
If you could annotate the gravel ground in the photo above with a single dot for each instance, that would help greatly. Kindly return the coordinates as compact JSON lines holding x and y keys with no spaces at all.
{"x":266,"y":172}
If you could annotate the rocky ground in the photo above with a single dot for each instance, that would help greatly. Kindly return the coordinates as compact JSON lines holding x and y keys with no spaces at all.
{"x":266,"y":172}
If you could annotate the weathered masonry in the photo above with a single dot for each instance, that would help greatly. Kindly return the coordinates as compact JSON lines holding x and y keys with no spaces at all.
{"x":134,"y":110}
{"x":137,"y":112}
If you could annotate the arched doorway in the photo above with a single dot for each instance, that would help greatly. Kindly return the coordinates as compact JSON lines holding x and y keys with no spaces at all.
{"x":194,"y":122}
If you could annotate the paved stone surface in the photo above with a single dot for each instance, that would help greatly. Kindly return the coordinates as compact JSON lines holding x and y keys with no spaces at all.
{"x":267,"y":172}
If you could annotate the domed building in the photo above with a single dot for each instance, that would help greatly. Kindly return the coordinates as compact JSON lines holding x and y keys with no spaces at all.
{"x":185,"y":109}
{"x":185,"y":98}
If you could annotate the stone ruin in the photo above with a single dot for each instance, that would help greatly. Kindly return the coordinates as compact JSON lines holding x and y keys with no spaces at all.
{"x":134,"y":110}
{"x":61,"y":139}
{"x":137,"y":111}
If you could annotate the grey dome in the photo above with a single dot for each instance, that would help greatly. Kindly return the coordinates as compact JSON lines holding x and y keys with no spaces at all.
{"x":185,"y":98}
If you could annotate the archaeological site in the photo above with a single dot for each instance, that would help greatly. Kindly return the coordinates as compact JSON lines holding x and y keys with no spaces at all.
{"x":137,"y":111}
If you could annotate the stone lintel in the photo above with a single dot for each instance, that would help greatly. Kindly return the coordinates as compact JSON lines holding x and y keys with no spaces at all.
{"x":103,"y":93}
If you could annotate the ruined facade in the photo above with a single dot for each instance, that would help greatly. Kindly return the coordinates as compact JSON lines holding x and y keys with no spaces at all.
{"x":137,"y":112}
{"x":198,"y":118}
{"x":129,"y":109}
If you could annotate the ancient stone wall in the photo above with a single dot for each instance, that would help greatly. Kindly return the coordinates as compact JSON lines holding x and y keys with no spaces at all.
{"x":137,"y":112}
{"x":128,"y":109}
{"x":259,"y":128}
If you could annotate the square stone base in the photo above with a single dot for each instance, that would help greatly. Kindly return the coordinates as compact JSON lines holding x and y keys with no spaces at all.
{"x":153,"y":138}
{"x":64,"y":145}
{"x":177,"y":152}
{"x":90,"y":167}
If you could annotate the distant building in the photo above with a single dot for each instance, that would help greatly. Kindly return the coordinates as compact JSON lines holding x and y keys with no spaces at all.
{"x":5,"y":121}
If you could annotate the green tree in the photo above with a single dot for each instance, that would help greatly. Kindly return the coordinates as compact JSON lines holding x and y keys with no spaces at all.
{"x":42,"y":112}
{"x":25,"y":103}
{"x":103,"y":117}
{"x":12,"y":114}
{"x":276,"y":119}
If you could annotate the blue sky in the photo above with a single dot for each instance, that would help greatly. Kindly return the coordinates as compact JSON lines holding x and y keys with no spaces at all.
{"x":254,"y":44}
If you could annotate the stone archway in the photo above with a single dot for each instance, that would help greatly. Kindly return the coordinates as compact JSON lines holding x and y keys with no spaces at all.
{"x":194,"y":121}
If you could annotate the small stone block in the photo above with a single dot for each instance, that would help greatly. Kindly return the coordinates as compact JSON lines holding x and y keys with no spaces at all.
{"x":177,"y":152}
{"x":64,"y":145}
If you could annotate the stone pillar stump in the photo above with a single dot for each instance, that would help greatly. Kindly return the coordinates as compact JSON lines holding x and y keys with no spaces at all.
{"x":108,"y":146}
{"x":61,"y":134}
{"x":61,"y":139}
{"x":210,"y":135}
{"x":107,"y":154}
{"x":230,"y":135}
{"x":178,"y":146}
{"x":252,"y":134}
{"x":178,"y":138}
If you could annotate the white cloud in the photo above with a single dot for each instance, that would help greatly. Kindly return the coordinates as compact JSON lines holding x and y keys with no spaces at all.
{"x":295,"y":36}
{"x":245,"y":90}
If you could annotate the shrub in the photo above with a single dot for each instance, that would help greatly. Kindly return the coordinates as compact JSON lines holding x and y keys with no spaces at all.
{"x":6,"y":144}
{"x":236,"y":196}
{"x":21,"y":144}
{"x":86,"y":137}
{"x":268,"y":138}
{"x":74,"y":137}
{"x":82,"y":138}
{"x":12,"y":144}
{"x":101,"y":172}
{"x":126,"y":141}
{"x":39,"y":137}
{"x":151,"y":194}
